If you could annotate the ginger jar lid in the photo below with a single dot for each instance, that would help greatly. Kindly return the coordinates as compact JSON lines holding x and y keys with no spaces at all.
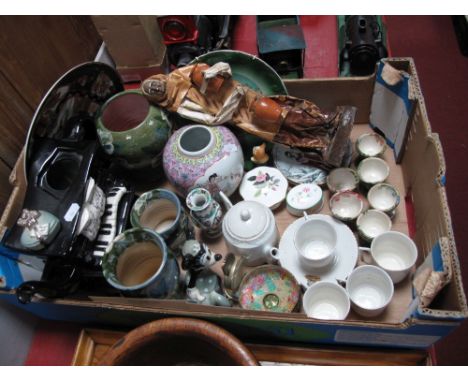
{"x":247,"y":221}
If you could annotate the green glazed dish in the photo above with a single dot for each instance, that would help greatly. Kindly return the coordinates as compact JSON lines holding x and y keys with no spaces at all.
{"x":248,"y":70}
{"x":132,"y":130}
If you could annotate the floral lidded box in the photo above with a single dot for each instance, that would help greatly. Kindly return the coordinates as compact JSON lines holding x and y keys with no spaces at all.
{"x":266,"y":185}
{"x":306,"y":197}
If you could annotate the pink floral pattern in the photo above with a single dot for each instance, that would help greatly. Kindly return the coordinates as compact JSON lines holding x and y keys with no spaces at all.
{"x":274,"y":282}
{"x":183,"y":171}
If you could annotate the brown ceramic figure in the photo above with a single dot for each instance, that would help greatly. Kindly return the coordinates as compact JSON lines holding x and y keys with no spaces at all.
{"x":208,"y":95}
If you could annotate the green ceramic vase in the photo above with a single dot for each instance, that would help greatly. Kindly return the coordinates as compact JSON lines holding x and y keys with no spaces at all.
{"x":133,"y":131}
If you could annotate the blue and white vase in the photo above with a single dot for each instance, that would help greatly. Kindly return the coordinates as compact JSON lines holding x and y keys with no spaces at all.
{"x":205,"y":211}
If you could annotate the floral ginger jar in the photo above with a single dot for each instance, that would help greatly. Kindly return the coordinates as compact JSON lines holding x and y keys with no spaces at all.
{"x":203,"y":156}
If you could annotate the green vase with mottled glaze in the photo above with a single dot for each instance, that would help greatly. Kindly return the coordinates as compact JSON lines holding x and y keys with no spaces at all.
{"x":133,"y":131}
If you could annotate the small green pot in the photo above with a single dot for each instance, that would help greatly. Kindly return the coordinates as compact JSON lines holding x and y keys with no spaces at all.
{"x":132,"y":130}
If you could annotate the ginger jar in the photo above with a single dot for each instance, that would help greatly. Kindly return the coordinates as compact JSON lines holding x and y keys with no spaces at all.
{"x":132,"y":131}
{"x":203,"y":156}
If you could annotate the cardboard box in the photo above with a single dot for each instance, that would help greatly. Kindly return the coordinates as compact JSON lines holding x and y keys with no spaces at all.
{"x":419,"y":177}
{"x":135,"y":44}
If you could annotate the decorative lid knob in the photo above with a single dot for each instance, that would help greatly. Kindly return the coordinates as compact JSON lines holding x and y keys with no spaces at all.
{"x":245,"y":215}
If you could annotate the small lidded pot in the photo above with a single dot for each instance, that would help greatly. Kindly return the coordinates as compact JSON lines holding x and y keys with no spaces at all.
{"x":370,"y":145}
{"x":346,"y":205}
{"x":306,"y":197}
{"x":250,"y":230}
{"x":342,"y":179}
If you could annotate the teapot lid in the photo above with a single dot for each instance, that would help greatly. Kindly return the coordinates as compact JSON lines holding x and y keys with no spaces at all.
{"x":247,"y":220}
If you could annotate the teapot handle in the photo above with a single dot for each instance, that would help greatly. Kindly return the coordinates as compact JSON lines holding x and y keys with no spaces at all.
{"x":274,"y":256}
{"x":227,"y":203}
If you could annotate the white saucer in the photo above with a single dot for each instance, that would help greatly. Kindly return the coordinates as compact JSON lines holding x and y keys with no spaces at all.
{"x":346,"y":255}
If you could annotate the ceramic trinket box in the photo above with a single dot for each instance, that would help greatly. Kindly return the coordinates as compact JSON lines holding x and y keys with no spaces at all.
{"x":39,"y":228}
{"x":265,"y":185}
{"x":306,"y":198}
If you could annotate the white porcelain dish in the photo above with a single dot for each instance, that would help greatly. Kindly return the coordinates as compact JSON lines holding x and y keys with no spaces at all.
{"x":293,"y":164}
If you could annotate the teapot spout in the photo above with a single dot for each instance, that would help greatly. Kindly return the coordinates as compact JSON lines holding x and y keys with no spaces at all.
{"x":227,"y":203}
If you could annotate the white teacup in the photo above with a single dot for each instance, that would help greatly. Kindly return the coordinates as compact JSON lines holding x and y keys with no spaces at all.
{"x":325,"y":300}
{"x":370,"y":290}
{"x":395,"y":253}
{"x":315,"y":241}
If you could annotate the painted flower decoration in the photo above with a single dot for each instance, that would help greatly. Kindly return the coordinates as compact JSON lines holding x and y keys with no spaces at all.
{"x":264,"y":181}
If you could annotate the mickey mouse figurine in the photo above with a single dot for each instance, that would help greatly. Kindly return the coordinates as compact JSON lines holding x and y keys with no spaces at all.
{"x":203,"y":285}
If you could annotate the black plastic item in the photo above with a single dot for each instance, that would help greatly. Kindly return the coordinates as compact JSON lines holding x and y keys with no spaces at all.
{"x":364,"y":45}
{"x":67,"y":111}
{"x":56,"y":184}
{"x":63,"y":278}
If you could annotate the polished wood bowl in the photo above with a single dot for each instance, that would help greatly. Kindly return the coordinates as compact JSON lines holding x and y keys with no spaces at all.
{"x":177,"y":342}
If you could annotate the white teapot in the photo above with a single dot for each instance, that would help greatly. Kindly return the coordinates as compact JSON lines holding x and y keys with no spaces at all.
{"x":250,"y":230}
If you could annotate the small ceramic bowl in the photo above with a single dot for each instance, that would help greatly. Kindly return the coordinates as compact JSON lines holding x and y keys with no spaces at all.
{"x":302,"y":198}
{"x":372,"y":171}
{"x":372,"y":223}
{"x":384,"y":197}
{"x":269,"y":288}
{"x":346,"y":205}
{"x":342,"y":179}
{"x":370,"y":145}
{"x":325,"y":300}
